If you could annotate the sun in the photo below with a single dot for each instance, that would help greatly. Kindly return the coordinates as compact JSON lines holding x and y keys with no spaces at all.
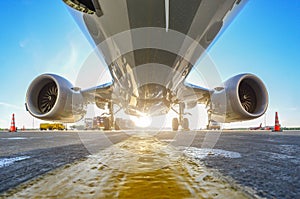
{"x":141,"y":121}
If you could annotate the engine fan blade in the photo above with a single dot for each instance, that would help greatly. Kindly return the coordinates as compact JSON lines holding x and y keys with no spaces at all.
{"x":247,"y":97}
{"x":47,"y":97}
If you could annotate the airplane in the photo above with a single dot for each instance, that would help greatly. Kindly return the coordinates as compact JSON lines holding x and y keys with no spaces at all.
{"x":150,"y":47}
{"x":256,"y":128}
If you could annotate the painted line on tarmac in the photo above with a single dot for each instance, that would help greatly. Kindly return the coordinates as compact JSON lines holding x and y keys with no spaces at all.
{"x":4,"y":162}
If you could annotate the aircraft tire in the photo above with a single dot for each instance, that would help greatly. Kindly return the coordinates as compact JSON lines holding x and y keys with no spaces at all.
{"x":185,"y":124}
{"x":106,"y":123}
{"x":175,"y":124}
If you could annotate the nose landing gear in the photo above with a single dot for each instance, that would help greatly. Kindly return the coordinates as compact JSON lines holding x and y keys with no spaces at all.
{"x":181,"y":121}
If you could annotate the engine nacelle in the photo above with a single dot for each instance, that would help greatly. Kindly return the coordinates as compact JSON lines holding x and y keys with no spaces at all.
{"x":51,"y":97}
{"x":243,"y":97}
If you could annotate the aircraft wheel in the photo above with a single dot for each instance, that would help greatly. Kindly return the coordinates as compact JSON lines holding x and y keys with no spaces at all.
{"x":106,"y":123}
{"x":185,"y":124}
{"x":117,"y":122}
{"x":175,"y":124}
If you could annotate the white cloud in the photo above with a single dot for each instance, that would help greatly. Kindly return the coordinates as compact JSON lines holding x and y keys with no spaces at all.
{"x":292,"y":109}
{"x":10,"y":105}
{"x":68,"y":60}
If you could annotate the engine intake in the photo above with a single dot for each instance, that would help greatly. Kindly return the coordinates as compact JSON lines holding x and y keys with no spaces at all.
{"x":243,"y":97}
{"x":51,"y":97}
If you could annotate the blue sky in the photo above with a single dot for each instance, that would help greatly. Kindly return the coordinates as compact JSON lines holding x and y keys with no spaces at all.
{"x":40,"y":36}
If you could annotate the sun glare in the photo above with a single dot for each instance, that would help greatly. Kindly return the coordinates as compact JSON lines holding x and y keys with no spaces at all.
{"x":142,"y":121}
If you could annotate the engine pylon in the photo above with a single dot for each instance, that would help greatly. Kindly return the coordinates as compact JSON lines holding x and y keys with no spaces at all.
{"x":277,"y":125}
{"x":13,"y":124}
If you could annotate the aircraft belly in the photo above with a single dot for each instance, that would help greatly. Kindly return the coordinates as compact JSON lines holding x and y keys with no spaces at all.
{"x":139,"y":48}
{"x":194,"y":20}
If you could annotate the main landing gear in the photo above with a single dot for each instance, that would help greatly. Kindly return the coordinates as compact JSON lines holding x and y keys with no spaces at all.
{"x":181,"y":121}
{"x":109,"y":121}
{"x":211,"y":125}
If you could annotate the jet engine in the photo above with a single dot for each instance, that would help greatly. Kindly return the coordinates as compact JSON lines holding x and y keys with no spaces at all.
{"x":242,"y":97}
{"x":51,"y":97}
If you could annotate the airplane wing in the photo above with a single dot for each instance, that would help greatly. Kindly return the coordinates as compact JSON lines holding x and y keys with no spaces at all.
{"x":100,"y":94}
{"x":193,"y":93}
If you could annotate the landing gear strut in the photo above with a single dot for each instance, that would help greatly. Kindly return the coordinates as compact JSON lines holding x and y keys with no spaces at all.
{"x":208,"y":126}
{"x":112,"y":116}
{"x":211,"y":125}
{"x":109,"y":121}
{"x":181,"y":121}
{"x":209,"y":112}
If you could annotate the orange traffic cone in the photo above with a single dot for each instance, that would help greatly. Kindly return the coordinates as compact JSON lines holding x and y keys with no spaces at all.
{"x":277,"y":125}
{"x":13,"y":124}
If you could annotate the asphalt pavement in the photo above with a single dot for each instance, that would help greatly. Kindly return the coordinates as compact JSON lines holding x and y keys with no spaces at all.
{"x":264,"y":164}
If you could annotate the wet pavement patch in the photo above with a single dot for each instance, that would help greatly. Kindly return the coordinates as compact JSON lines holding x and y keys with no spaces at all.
{"x":24,"y":166}
{"x":139,"y":167}
{"x":201,"y":153}
{"x":4,"y":162}
{"x":15,"y":138}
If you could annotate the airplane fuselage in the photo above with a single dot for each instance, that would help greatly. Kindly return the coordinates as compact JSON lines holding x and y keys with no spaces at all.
{"x":151,"y":46}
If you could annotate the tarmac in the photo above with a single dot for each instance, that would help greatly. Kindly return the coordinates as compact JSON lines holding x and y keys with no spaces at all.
{"x":150,"y":164}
